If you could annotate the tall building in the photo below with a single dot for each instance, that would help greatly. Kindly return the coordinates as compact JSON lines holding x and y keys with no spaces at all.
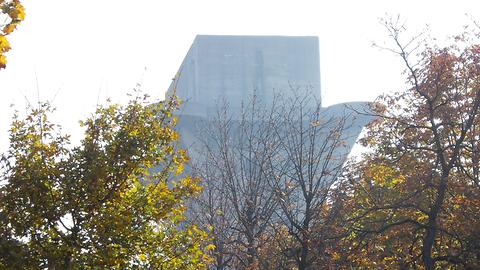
{"x":254,"y":166}
{"x":232,"y":68}
{"x":219,"y":69}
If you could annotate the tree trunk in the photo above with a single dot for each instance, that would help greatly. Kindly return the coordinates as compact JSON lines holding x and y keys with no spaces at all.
{"x":68,"y":262}
{"x":251,"y":253}
{"x":303,"y":262}
{"x":429,"y":239}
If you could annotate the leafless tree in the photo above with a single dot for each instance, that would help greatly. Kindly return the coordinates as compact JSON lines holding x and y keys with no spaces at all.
{"x":314,"y":145}
{"x":270,"y":166}
{"x":238,"y":202}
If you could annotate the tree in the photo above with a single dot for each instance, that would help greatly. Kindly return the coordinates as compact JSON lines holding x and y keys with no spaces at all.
{"x":238,"y":202}
{"x":11,"y":14}
{"x":415,"y":196}
{"x":314,"y":143}
{"x":109,"y":203}
{"x":270,"y":175}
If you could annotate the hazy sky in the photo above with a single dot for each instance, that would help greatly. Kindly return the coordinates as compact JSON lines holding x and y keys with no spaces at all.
{"x":81,"y":52}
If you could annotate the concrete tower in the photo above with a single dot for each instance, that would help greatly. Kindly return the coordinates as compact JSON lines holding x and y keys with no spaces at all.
{"x":233,"y":68}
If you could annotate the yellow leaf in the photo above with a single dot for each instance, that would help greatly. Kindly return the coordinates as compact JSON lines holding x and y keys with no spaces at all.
{"x":4,"y":45}
{"x":9,"y":28}
{"x":3,"y":61}
{"x":210,"y":247}
{"x":20,"y":11}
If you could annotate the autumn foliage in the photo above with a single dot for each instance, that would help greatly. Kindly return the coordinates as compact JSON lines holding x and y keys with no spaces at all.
{"x":415,"y":197}
{"x":11,"y":15}
{"x":272,"y":192}
{"x":115,"y":201}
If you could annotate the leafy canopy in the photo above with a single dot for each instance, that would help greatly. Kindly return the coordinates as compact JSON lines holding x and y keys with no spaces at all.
{"x":11,"y":14}
{"x":109,"y":203}
{"x":415,"y":196}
